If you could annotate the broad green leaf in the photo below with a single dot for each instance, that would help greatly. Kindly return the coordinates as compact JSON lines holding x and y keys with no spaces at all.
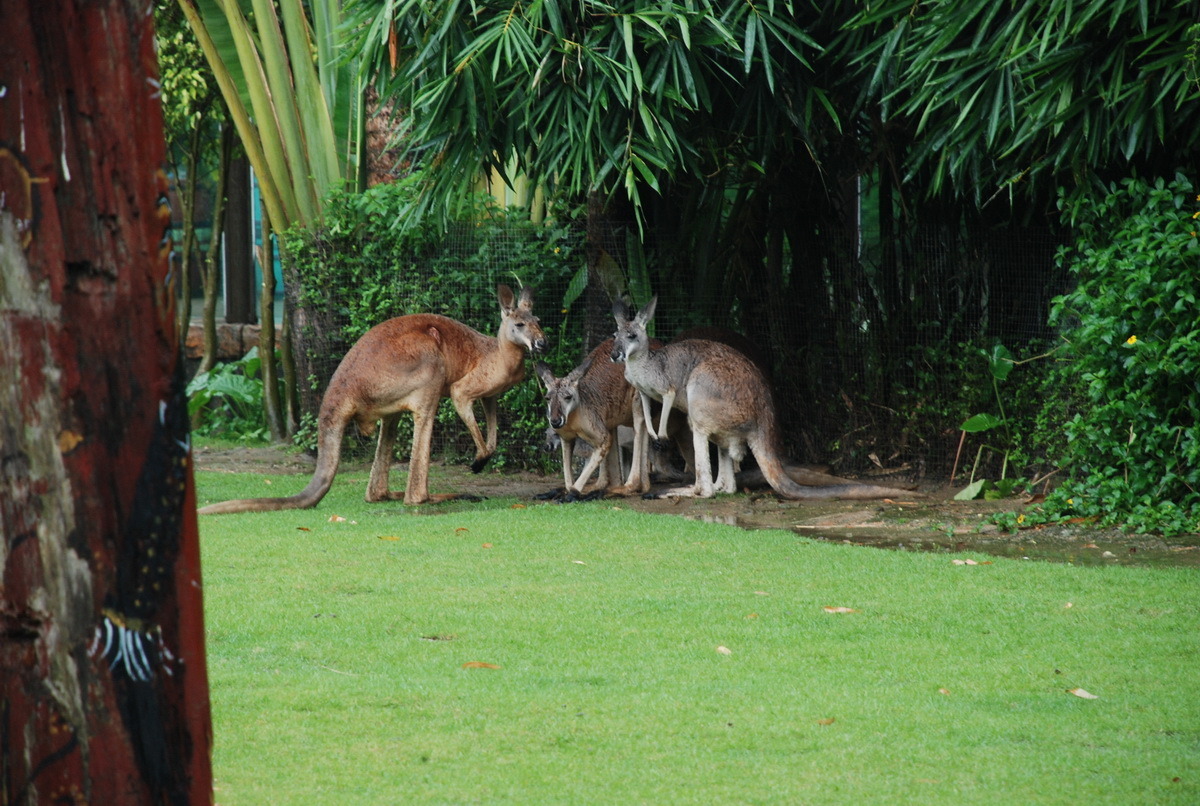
{"x":980,"y":422}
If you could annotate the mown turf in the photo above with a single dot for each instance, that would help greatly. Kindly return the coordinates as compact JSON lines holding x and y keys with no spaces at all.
{"x":649,"y":659}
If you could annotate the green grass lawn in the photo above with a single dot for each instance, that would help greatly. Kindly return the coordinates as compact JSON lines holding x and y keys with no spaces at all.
{"x":648,"y":659}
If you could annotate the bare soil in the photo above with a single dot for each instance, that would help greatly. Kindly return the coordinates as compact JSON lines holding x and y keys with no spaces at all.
{"x":927,"y":520}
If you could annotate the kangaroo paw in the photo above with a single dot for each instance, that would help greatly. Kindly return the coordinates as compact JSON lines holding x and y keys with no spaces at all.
{"x":594,"y":495}
{"x":661,"y":443}
{"x":480,"y":464}
{"x":551,"y":495}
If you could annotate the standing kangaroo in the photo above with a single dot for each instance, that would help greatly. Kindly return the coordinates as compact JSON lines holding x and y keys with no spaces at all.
{"x":727,"y":400}
{"x":409,"y":364}
{"x":590,"y":403}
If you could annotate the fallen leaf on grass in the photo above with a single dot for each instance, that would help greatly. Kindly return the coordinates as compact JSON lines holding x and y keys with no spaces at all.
{"x":761,"y":593}
{"x":964,"y":562}
{"x":752,"y":616}
{"x":828,"y":609}
{"x":517,"y":506}
{"x":579,"y":562}
{"x":461,"y":529}
{"x":487,"y":545}
{"x":336,"y":519}
{"x":945,"y":691}
{"x":724,"y":650}
{"x":1068,"y":605}
{"x":1082,"y":694}
{"x":826,"y":721}
{"x":266,"y":481}
{"x":303,"y":529}
{"x":478,"y":664}
{"x":388,"y":537}
{"x":1090,"y":546}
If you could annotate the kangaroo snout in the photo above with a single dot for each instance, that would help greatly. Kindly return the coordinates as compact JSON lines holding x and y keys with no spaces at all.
{"x":616,"y":355}
{"x":539,"y":346}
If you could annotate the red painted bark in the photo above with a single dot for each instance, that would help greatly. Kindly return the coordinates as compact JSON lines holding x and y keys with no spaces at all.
{"x":105,"y":693}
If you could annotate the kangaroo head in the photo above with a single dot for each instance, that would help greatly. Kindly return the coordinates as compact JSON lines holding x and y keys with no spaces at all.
{"x":631,"y":339}
{"x":562,"y":394}
{"x":517,"y":322}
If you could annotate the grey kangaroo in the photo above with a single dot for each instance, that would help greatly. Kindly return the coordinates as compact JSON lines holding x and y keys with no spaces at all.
{"x":727,"y":401}
{"x":409,"y":364}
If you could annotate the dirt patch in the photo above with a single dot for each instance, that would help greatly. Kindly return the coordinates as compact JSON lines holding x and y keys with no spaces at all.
{"x":932,"y":522}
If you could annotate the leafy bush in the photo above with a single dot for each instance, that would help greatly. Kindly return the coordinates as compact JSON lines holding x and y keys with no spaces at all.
{"x":228,"y":400}
{"x":1133,"y":328}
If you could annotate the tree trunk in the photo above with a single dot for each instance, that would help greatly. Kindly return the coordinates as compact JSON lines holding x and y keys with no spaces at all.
{"x":105,"y":694}
{"x":211,"y":272}
{"x":266,"y":334}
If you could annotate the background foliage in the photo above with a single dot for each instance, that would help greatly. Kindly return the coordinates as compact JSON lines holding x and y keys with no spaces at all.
{"x":1133,"y":326}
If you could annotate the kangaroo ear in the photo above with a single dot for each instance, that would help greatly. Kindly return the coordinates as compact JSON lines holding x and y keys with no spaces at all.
{"x":526,"y":301}
{"x":545,"y":375}
{"x":505,"y":295}
{"x":620,"y":312}
{"x":647,"y":313}
{"x":579,"y":371}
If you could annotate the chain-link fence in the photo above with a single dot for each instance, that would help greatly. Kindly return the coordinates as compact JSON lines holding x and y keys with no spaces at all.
{"x":875,"y":348}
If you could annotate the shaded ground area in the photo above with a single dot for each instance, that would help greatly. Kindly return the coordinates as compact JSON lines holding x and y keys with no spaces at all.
{"x":933,"y":522}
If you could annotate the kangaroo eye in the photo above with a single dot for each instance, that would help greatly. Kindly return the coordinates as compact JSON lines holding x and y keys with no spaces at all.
{"x":520,"y":324}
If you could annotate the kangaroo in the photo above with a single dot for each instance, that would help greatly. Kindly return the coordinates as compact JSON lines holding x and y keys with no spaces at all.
{"x":591,"y":402}
{"x":409,"y":364}
{"x":727,"y":401}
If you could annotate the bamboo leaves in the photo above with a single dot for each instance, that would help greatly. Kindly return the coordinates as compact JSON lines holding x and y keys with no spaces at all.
{"x":588,"y":96}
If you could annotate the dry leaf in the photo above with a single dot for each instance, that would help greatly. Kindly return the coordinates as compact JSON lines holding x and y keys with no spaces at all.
{"x":724,"y":650}
{"x":517,"y":506}
{"x":461,"y":529}
{"x":303,"y":529}
{"x":388,"y":537}
{"x":1090,"y":546}
{"x":336,"y":519}
{"x":752,"y":615}
{"x":266,"y":481}
{"x":1067,"y":605}
{"x":478,"y":664}
{"x":826,"y":721}
{"x":964,"y":562}
{"x":579,"y":562}
{"x":487,"y":545}
{"x":839,"y":610}
{"x":1082,"y":694}
{"x":944,"y":691}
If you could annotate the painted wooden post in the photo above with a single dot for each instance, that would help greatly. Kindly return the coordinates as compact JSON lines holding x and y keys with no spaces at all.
{"x":103,"y":687}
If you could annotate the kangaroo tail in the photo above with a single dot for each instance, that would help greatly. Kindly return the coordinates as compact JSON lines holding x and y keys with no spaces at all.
{"x":329,"y":452}
{"x":765,"y":445}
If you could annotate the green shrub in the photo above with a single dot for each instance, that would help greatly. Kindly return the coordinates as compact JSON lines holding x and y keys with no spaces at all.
{"x":227,"y":401}
{"x":1133,"y":329}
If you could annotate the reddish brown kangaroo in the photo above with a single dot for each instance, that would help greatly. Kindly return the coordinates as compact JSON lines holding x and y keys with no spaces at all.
{"x":589,"y":403}
{"x":409,"y":364}
{"x":727,"y":400}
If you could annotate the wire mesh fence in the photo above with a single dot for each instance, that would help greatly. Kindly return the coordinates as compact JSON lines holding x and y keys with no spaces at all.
{"x":875,"y":350}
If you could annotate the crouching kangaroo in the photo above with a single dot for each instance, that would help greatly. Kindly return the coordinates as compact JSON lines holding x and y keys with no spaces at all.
{"x":727,"y":401}
{"x":409,"y":364}
{"x":589,"y":403}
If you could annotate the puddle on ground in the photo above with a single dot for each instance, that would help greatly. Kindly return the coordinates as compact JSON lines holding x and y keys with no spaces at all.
{"x":1050,"y":544}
